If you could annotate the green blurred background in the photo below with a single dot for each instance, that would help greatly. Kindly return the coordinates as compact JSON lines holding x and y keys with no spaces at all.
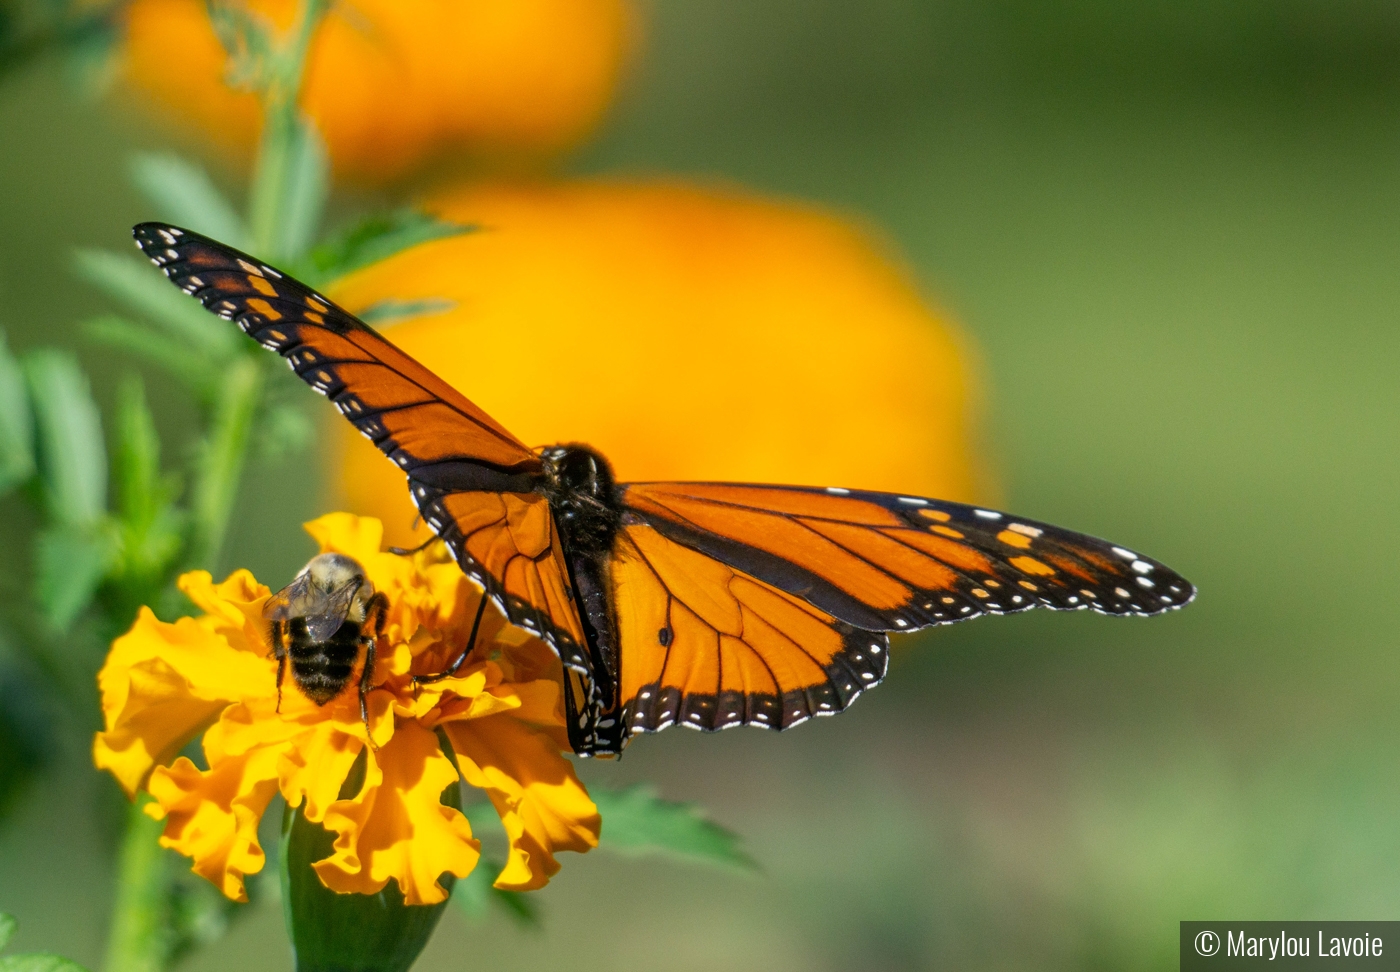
{"x":1173,"y":229}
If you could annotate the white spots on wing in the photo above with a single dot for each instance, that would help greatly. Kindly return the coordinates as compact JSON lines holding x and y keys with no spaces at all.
{"x":1125,"y":554}
{"x":173,"y":254}
{"x":249,"y":268}
{"x":166,"y":235}
{"x":988,"y":514}
{"x":176,"y":232}
{"x":1144,"y":582}
{"x":965,"y":609}
{"x":901,"y":622}
{"x":838,"y":491}
{"x":875,"y":648}
{"x":1025,"y":531}
{"x":271,"y":272}
{"x":1016,"y":599}
{"x":1120,"y":592}
{"x":1142,"y":567}
{"x":1073,"y":600}
{"x":913,"y":501}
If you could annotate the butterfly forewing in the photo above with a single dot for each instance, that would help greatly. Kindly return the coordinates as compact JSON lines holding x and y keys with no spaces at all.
{"x":470,"y":478}
{"x":885,"y":562}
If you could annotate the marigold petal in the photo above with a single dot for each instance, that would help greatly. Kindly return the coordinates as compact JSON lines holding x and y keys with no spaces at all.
{"x":312,"y":771}
{"x":233,"y":607}
{"x":213,"y":817}
{"x":162,"y":683}
{"x":397,"y":827}
{"x":355,"y":536}
{"x":541,"y":802}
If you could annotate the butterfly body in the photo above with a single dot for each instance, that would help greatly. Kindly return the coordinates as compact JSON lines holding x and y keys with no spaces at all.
{"x":707,"y":605}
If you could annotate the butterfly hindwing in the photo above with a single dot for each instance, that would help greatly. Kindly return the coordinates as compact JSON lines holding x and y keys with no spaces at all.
{"x":707,"y":646}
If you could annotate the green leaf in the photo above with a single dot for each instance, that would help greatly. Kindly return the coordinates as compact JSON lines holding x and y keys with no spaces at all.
{"x":149,"y":523}
{"x":38,"y":962}
{"x":70,"y":564}
{"x":475,"y":894}
{"x":378,"y":238}
{"x":184,"y":194}
{"x":636,"y":821}
{"x":16,"y":423}
{"x":137,"y":284}
{"x":72,"y":459}
{"x":384,"y":313}
{"x":194,"y":371}
{"x":247,"y":38}
{"x":7,"y":928}
{"x":306,"y":190}
{"x":285,"y":430}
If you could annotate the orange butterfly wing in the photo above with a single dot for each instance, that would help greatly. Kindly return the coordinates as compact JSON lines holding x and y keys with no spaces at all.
{"x":773,"y":592}
{"x":707,"y":646}
{"x":470,"y":478}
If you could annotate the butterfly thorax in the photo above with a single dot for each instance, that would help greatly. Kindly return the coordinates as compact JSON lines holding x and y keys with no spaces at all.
{"x":582,"y":494}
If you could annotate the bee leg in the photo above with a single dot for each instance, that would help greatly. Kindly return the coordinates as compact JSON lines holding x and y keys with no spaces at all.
{"x":457,"y":662}
{"x":279,"y":651}
{"x":375,"y":616}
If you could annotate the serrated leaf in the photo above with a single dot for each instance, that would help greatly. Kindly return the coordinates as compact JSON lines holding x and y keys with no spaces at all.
{"x":247,"y":39}
{"x":378,"y":238}
{"x":72,"y":459}
{"x":637,"y":821}
{"x":16,"y":423}
{"x":137,"y":284}
{"x":7,"y":928}
{"x":39,"y":962}
{"x":69,"y":566}
{"x":143,"y":341}
{"x":149,"y":525}
{"x":185,"y":195}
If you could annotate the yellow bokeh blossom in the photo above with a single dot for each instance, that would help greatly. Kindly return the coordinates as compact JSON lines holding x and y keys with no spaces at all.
{"x":164,"y":683}
{"x":687,"y":333}
{"x":391,"y":83}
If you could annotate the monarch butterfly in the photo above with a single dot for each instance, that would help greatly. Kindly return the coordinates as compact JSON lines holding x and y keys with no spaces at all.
{"x":707,"y":605}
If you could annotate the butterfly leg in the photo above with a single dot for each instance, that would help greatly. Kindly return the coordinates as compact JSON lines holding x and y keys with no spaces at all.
{"x":405,"y":552}
{"x":279,"y":651}
{"x":457,"y":662}
{"x":375,"y":616}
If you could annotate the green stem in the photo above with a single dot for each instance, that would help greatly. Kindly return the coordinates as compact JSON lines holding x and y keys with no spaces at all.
{"x":222,"y":458}
{"x":140,"y":940}
{"x":272,"y":174}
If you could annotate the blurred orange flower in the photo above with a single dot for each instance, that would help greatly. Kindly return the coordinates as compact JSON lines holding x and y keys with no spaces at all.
{"x":393,"y":82}
{"x":687,"y":333}
{"x":164,"y":683}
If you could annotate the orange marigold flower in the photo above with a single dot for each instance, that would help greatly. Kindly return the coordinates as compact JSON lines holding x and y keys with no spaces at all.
{"x":164,"y":683}
{"x":687,"y":333}
{"x":390,"y":83}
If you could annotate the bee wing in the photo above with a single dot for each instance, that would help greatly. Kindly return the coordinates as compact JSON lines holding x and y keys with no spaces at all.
{"x":285,"y":604}
{"x":330,"y":613}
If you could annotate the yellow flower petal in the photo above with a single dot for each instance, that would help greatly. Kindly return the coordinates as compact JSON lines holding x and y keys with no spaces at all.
{"x":213,"y":817}
{"x":397,"y":827}
{"x":161,"y":684}
{"x":232,"y":608}
{"x":541,"y":802}
{"x":312,"y":772}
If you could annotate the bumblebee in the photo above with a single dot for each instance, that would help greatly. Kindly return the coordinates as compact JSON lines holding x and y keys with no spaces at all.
{"x":320,"y":621}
